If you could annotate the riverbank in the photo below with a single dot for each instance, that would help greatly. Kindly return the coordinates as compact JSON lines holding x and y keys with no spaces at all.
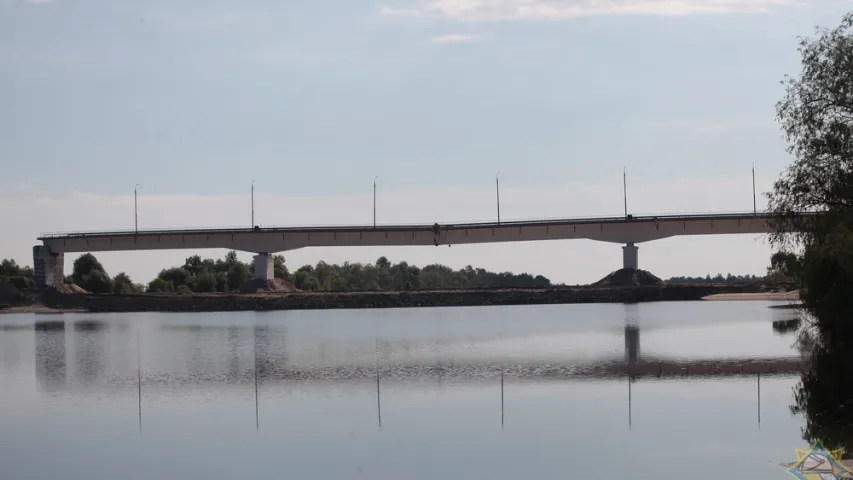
{"x":38,"y":308}
{"x":792,"y":296}
{"x":224,"y":302}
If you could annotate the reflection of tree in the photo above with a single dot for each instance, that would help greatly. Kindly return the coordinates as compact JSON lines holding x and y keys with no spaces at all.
{"x":786,"y":326}
{"x":825,"y":396}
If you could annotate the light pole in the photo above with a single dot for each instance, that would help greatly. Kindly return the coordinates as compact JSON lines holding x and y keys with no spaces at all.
{"x":374,"y":201}
{"x":754,"y":206}
{"x":625,"y":189}
{"x":135,"y":210}
{"x":253,"y":204}
{"x":498,"y":193}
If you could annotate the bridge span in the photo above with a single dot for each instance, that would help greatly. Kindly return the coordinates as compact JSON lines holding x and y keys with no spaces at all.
{"x":629,"y":230}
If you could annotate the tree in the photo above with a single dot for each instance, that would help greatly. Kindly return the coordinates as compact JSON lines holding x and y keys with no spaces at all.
{"x":123,"y":284}
{"x":84,"y":265}
{"x":816,"y":114}
{"x":205,"y":282}
{"x":193,"y":265}
{"x":175,"y":276}
{"x":9,"y":268}
{"x":158,"y":285}
{"x":97,"y":281}
{"x":237,"y":275}
{"x":279,"y":268}
{"x":783,"y":264}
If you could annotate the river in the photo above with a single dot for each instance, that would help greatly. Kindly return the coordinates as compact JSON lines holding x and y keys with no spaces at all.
{"x":399,"y":393}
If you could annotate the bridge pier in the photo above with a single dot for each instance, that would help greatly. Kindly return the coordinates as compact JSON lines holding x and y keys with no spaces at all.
{"x":264,"y":267}
{"x":48,"y":267}
{"x":629,"y":256}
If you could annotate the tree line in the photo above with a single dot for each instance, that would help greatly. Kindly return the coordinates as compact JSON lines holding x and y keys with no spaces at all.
{"x":718,"y":278}
{"x":203,"y":275}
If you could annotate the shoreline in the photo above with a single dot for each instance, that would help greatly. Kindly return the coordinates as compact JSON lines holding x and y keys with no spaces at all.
{"x":56,"y":302}
{"x":792,"y":296}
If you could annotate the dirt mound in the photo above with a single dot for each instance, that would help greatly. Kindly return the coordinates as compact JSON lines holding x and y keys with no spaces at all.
{"x":69,"y":288}
{"x":625,"y":277}
{"x":262,"y":286}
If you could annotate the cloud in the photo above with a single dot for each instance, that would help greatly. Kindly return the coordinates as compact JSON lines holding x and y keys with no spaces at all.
{"x":505,"y":10}
{"x":37,"y":2}
{"x":456,"y":38}
{"x":573,"y":261}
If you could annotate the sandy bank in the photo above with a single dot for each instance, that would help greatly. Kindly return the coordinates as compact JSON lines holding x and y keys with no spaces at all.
{"x":39,"y":309}
{"x":784,"y":296}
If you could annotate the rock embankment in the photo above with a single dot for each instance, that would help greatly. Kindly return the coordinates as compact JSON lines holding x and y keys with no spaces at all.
{"x":436,"y":298}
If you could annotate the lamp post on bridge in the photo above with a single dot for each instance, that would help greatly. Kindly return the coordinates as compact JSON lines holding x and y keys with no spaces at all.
{"x":498,"y":193}
{"x":253,"y":204}
{"x":135,"y":211}
{"x":754,"y":205}
{"x":625,"y":189}
{"x":374,"y":201}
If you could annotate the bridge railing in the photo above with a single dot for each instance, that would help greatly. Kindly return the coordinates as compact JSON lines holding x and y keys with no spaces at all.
{"x":410,"y":226}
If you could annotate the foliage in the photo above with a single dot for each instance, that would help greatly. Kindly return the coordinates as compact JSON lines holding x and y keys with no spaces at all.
{"x":9,"y":268}
{"x":123,"y":284}
{"x":84,"y":265}
{"x":21,"y":277}
{"x":719,"y":278}
{"x":784,"y":265}
{"x":228,"y":274}
{"x":816,"y":114}
{"x":97,"y":281}
{"x":158,"y":285}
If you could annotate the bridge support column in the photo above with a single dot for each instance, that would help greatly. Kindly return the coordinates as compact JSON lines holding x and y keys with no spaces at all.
{"x":264,"y":269}
{"x":48,"y":267}
{"x":629,"y":256}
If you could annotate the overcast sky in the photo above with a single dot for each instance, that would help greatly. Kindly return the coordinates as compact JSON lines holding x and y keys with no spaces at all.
{"x":195,"y":99}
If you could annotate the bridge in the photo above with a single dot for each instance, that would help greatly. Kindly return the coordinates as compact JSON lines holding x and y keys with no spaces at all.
{"x":48,"y":258}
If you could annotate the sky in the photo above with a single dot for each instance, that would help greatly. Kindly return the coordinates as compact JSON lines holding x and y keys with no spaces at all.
{"x":195,"y":100}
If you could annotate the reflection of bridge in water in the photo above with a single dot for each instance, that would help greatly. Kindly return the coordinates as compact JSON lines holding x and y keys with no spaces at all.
{"x":266,"y":364}
{"x":270,"y":364}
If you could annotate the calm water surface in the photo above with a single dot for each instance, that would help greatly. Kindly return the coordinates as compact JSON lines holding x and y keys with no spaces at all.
{"x":278,"y":395}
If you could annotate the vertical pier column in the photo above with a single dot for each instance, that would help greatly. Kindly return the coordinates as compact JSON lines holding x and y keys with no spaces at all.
{"x":48,"y":267}
{"x":629,"y":256}
{"x":264,"y":269}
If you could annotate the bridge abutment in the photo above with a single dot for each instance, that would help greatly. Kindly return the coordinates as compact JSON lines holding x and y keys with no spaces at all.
{"x":264,"y":267}
{"x":630,"y":256}
{"x":48,"y":267}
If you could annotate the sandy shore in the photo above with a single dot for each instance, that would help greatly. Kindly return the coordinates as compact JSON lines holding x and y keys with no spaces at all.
{"x":40,"y":309}
{"x":789,"y":296}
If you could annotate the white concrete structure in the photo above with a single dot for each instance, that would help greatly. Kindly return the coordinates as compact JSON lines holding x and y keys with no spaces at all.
{"x":265,"y":241}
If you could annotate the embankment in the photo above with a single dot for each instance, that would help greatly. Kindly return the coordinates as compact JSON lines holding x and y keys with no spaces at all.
{"x":433,"y":298}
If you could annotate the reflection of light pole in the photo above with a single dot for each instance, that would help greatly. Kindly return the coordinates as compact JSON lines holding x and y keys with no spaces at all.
{"x":135,"y":210}
{"x":253,"y":204}
{"x":498,"y":192}
{"x":374,"y":201}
